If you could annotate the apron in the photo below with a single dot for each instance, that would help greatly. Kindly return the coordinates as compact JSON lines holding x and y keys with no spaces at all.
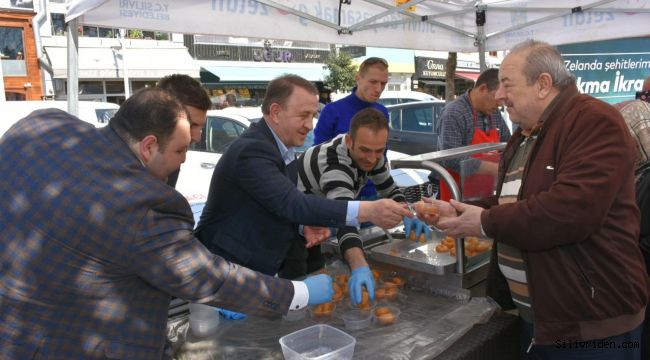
{"x":475,"y":186}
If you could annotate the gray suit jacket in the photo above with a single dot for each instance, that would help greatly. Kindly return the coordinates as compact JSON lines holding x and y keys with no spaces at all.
{"x":92,"y":247}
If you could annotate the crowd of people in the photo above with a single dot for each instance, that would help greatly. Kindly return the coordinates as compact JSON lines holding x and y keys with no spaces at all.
{"x":95,"y":240}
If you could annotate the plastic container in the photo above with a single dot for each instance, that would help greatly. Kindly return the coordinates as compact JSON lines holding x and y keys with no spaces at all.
{"x":357,"y":319}
{"x":385,"y":315}
{"x":318,"y":342}
{"x":322,"y":312}
{"x":295,"y":315}
{"x":204,"y":320}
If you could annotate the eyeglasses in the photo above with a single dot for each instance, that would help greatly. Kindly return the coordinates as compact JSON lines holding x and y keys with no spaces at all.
{"x":372,"y":61}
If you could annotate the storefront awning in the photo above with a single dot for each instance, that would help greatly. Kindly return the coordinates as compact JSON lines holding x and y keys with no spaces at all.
{"x":467,"y":75}
{"x":108,"y":62}
{"x":260,"y":71}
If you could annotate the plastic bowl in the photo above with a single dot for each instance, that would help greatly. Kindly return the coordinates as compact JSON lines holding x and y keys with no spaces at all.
{"x":357,"y":319}
{"x":368,"y":306}
{"x":386,"y":315}
{"x":318,"y":342}
{"x":321,"y":313}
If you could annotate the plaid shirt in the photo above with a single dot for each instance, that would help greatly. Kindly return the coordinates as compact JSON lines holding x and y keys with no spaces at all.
{"x":457,"y":128}
{"x":92,"y":246}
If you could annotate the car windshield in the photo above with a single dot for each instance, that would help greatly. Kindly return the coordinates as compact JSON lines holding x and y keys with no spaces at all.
{"x":104,"y":115}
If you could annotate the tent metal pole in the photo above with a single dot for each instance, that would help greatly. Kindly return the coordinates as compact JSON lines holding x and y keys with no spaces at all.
{"x":73,"y":67}
{"x":481,"y":18}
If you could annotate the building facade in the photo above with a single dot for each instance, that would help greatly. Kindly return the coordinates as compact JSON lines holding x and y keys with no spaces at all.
{"x":19,"y":71}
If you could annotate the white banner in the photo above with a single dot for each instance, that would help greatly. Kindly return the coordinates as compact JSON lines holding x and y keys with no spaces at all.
{"x":432,"y":25}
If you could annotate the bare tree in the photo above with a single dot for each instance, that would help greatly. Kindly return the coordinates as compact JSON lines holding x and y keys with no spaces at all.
{"x":450,"y":85}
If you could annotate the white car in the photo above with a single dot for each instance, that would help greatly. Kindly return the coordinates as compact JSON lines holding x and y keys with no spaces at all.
{"x":94,"y":112}
{"x":398,"y":97}
{"x":224,"y":126}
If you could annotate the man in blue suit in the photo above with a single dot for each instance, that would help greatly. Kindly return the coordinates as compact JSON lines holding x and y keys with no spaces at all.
{"x":93,"y":242}
{"x":254,"y":210}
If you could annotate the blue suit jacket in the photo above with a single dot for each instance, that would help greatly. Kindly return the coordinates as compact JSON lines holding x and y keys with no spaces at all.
{"x":92,"y":246}
{"x":253,"y":208}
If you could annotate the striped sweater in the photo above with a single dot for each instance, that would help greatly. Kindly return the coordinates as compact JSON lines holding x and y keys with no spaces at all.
{"x":328,"y":170}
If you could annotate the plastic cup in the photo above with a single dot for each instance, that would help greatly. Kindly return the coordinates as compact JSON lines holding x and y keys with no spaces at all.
{"x":357,"y":319}
{"x":204,"y":320}
{"x":386,"y":315}
{"x":295,"y":315}
{"x":322,"y":312}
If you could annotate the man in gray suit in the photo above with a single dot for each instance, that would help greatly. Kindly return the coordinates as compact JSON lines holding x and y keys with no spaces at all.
{"x":93,"y":243}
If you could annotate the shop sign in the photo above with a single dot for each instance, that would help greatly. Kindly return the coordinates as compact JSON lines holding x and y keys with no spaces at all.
{"x":268,"y":54}
{"x":426,"y":67}
{"x":354,"y":51}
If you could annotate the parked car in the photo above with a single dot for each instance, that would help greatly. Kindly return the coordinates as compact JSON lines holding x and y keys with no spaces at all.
{"x":221,"y":129}
{"x":224,"y":126}
{"x":400,"y":97}
{"x":415,"y":126}
{"x":95,"y":112}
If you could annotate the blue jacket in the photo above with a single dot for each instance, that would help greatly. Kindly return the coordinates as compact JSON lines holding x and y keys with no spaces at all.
{"x":92,"y":247}
{"x":336,"y":116}
{"x":335,"y":119}
{"x":253,"y":208}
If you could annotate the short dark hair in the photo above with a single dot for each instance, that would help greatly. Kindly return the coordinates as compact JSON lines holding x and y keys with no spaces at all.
{"x":187,"y":90}
{"x":370,"y":118}
{"x":489,"y":77}
{"x":281,"y":88}
{"x":149,"y":111}
{"x":373,"y":60}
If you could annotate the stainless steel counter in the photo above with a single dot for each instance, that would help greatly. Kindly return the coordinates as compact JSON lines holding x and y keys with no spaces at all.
{"x":428,"y":324}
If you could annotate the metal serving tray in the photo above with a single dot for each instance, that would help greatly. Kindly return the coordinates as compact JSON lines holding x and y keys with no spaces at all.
{"x":421,"y":257}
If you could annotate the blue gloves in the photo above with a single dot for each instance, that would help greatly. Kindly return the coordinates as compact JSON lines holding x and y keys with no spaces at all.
{"x":361,"y":276}
{"x":419,"y":226}
{"x":231,"y":315}
{"x":319,"y":288}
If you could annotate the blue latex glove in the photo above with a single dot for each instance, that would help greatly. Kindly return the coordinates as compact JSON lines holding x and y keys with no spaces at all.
{"x":419,"y":226}
{"x":231,"y":315}
{"x":319,"y":288}
{"x":361,"y":276}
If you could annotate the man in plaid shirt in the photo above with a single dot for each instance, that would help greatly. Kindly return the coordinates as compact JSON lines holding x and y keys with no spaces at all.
{"x":93,"y":242}
{"x":473,"y":118}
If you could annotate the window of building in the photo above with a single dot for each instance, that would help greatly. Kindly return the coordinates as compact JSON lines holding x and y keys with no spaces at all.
{"x":12,"y":51}
{"x":108,"y":32}
{"x":89,"y":31}
{"x":115,"y":87}
{"x":90,"y":87}
{"x":137,"y":85}
{"x":58,"y":24}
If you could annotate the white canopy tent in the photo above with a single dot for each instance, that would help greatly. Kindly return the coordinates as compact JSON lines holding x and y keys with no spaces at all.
{"x":446,"y":25}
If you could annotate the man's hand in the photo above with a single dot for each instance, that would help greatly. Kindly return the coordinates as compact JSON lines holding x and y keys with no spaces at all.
{"x":468,"y":223}
{"x":231,"y":315}
{"x":445,"y":210}
{"x":315,"y":235}
{"x":319,"y":288}
{"x":360,"y":277}
{"x":385,"y":213}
